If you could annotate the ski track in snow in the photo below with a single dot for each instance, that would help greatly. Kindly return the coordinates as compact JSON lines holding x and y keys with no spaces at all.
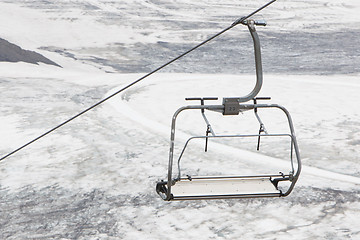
{"x":121,"y":106}
{"x":102,"y":185}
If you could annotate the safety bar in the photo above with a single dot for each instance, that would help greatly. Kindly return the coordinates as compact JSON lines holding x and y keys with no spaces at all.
{"x":226,"y":136}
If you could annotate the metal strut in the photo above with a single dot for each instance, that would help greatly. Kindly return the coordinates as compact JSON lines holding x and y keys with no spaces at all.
{"x":209,"y":129}
{"x":262,"y":128}
{"x":232,"y":104}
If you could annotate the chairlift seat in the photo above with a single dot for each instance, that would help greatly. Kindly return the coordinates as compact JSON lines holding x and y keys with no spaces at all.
{"x":220,"y":187}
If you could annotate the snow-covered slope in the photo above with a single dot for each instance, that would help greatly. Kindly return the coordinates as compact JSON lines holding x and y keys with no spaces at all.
{"x":95,"y":177}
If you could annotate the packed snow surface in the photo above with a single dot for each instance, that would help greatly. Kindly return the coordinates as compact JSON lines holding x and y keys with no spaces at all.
{"x":95,"y":177}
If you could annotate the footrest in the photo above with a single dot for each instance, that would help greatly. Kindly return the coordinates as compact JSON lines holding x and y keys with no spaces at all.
{"x":223,"y":187}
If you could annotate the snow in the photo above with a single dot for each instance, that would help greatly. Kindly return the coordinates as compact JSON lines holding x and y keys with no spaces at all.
{"x":95,"y":177}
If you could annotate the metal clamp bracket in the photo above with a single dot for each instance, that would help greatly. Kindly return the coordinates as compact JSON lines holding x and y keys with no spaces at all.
{"x":231,"y":106}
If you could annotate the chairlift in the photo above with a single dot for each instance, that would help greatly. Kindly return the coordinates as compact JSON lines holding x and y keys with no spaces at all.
{"x":228,"y":187}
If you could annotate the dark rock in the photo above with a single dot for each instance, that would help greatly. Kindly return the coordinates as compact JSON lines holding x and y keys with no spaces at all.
{"x":12,"y":53}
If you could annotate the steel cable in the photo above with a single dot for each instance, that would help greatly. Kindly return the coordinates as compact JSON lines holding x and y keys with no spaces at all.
{"x":238,"y":21}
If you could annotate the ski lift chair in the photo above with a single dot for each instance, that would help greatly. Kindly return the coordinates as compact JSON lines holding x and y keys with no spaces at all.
{"x":227,"y":187}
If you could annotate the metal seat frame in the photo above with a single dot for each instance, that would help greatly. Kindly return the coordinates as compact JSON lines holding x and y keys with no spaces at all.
{"x":215,"y":187}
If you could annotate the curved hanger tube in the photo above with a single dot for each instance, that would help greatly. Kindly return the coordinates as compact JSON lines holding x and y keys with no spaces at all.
{"x":258,"y":64}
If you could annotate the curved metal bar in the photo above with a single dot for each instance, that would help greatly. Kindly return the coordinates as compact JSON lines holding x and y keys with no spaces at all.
{"x":258,"y":64}
{"x":181,"y":154}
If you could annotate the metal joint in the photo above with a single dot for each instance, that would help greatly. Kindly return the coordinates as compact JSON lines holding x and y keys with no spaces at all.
{"x":231,"y":106}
